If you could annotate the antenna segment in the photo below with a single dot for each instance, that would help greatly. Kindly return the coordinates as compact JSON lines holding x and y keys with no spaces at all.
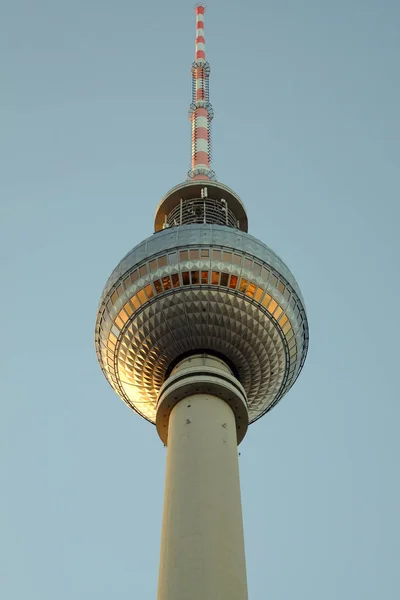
{"x":201,"y":111}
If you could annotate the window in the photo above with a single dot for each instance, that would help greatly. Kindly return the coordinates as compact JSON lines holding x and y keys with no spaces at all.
{"x":194,"y":254}
{"x":266,"y":300}
{"x":172,"y":258}
{"x":158,"y":286}
{"x":257,"y":269}
{"x":286,"y":327}
{"x":290,"y":333}
{"x":185,"y":278}
{"x":115,"y":330}
{"x":283,"y":320}
{"x":149,"y":291}
{"x":272,"y":306}
{"x":135,"y":302}
{"x":243,"y":285}
{"x":183,"y":255}
{"x":118,"y":322}
{"x":215,"y":278}
{"x":250,"y":290}
{"x":274,"y":280}
{"x":143,"y":270}
{"x":195,"y":277}
{"x":162,"y":261}
{"x":153,"y":265}
{"x":128,"y":309}
{"x":141,"y":296}
{"x":123,"y":316}
{"x":258,"y":294}
{"x":233,"y":282}
{"x":247,"y":263}
{"x":166,"y":282}
{"x":216,"y":254}
{"x":224,"y":279}
{"x":175,"y":280}
{"x":204,"y":253}
{"x":227,"y":257}
{"x":204,"y":277}
{"x":265,"y":273}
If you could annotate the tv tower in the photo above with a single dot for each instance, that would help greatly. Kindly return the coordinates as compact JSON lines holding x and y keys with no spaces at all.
{"x":201,"y":329}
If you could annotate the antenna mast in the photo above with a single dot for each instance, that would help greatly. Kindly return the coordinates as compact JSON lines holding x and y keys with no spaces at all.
{"x":201,"y":111}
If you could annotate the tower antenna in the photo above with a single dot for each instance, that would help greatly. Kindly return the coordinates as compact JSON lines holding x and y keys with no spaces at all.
{"x":201,"y":111}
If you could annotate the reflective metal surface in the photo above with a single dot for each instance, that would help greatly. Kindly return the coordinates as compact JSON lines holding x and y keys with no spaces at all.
{"x":196,"y":288}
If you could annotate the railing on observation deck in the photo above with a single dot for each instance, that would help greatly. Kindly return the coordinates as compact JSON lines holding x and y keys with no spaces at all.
{"x":201,"y":210}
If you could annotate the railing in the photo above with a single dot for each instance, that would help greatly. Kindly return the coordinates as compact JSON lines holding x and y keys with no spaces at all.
{"x":201,"y":210}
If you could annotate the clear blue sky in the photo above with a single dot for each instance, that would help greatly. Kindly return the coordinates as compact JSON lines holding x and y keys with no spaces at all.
{"x":94,"y":131}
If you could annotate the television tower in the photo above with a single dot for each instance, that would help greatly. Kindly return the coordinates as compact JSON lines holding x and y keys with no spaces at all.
{"x":201,"y":329}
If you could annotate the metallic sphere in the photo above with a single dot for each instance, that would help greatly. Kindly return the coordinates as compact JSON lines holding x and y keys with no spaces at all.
{"x":201,"y":287}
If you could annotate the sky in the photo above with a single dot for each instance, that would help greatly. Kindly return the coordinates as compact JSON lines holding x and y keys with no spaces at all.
{"x":93,"y":115}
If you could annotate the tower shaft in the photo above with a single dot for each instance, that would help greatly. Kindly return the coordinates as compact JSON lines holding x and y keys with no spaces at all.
{"x":202,"y":545}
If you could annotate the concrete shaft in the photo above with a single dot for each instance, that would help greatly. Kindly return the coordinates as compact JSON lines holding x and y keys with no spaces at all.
{"x":202,"y":544}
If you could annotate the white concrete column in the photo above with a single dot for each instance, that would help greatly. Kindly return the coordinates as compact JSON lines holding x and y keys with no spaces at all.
{"x":202,"y":545}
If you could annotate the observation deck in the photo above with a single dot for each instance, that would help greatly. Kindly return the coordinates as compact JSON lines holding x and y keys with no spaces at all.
{"x":201,"y":210}
{"x":201,"y":202}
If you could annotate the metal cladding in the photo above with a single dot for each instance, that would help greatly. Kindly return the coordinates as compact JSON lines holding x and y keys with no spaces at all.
{"x":201,"y":284}
{"x":200,"y":112}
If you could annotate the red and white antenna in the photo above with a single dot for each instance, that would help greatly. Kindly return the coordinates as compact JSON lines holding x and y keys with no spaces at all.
{"x":200,"y":112}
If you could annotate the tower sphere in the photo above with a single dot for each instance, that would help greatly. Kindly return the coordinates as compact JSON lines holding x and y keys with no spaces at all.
{"x":201,"y":283}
